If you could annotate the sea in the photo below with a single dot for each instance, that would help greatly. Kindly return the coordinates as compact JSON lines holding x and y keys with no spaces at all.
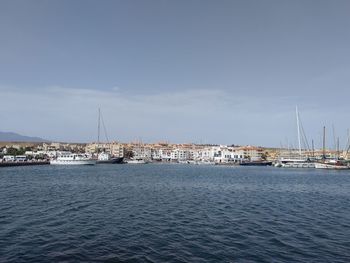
{"x":173,"y":213}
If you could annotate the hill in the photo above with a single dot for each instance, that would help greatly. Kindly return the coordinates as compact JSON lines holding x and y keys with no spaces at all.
{"x":15,"y":137}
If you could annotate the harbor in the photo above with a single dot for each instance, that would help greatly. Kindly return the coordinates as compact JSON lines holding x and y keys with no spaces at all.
{"x":163,"y":153}
{"x":174,"y":131}
{"x":103,"y":151}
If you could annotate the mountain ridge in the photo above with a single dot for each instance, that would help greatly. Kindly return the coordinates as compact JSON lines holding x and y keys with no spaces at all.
{"x":15,"y":137}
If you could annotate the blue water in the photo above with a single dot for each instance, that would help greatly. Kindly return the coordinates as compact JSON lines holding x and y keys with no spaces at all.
{"x":173,"y":213}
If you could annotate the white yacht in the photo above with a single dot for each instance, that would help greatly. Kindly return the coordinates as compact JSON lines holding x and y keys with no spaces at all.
{"x":73,"y":159}
{"x":332,"y":165}
{"x":294,"y":163}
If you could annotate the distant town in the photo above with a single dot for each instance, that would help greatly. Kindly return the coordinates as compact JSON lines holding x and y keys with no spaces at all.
{"x":163,"y":152}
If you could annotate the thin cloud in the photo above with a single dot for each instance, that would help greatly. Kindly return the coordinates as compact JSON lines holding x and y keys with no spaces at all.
{"x":210,"y":115}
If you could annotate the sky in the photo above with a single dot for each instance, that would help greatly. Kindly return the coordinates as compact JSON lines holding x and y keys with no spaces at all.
{"x":223,"y":72}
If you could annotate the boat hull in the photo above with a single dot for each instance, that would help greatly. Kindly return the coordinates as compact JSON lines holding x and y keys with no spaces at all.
{"x":297,"y":165}
{"x":331,"y":166}
{"x":205,"y":163}
{"x":111,"y":161}
{"x":137,"y":162}
{"x":73,"y":162}
{"x":256,"y":163}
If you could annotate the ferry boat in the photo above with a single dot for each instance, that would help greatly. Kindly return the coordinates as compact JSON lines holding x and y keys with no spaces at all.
{"x":73,"y":159}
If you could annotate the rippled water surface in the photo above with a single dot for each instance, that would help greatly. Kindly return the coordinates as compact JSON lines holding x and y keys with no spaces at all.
{"x":173,"y":213}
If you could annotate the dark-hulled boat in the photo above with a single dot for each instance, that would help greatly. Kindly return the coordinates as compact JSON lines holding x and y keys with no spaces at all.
{"x":106,"y":159}
{"x":256,"y":163}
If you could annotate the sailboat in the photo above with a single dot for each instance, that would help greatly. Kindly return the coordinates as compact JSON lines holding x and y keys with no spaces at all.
{"x":333,"y":164}
{"x":297,"y":161}
{"x":105,"y":157}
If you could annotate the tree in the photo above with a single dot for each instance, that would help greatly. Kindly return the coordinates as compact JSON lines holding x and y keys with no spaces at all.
{"x":14,"y":151}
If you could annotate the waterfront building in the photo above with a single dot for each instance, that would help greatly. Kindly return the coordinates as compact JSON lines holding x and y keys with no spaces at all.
{"x":141,"y":151}
{"x":91,"y":147}
{"x":179,"y":154}
{"x":206,"y":153}
{"x":117,"y":149}
{"x":165,"y":154}
{"x":222,"y":154}
{"x":161,"y":153}
{"x":251,"y":153}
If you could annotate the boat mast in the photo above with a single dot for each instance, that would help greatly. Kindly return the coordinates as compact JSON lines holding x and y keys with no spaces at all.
{"x":98,"y":129}
{"x":348,"y":146}
{"x":298,"y":127}
{"x":324,"y":142}
{"x":338,"y":149}
{"x":334,"y":138}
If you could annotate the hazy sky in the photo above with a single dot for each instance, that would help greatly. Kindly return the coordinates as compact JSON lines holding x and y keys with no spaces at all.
{"x":180,"y":71}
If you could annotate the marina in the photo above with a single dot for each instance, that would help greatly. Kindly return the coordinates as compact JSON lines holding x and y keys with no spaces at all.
{"x":191,"y":154}
{"x":106,"y":152}
{"x":174,"y":131}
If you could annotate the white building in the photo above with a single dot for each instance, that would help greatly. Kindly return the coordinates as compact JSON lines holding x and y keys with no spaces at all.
{"x":143,"y":152}
{"x":179,"y":154}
